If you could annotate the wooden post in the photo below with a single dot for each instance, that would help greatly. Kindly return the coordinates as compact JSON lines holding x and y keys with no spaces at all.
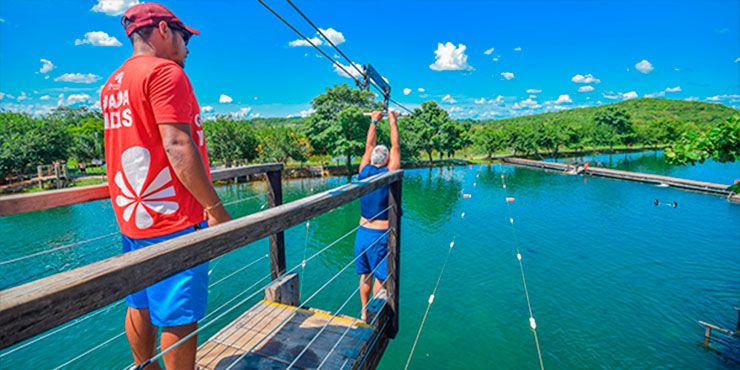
{"x":277,"y":240}
{"x":707,"y":335}
{"x":394,"y":254}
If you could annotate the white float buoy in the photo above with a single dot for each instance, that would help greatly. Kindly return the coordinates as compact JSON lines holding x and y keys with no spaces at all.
{"x":431,"y":299}
{"x":518,"y":256}
{"x":452,"y":244}
{"x":532,"y":323}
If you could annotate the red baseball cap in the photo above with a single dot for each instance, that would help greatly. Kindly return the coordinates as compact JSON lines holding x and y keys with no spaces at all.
{"x":150,"y":14}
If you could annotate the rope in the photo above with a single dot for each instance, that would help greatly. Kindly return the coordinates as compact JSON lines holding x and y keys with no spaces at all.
{"x":90,"y":351}
{"x":339,"y":65}
{"x":346,"y":301}
{"x":68,"y":325}
{"x":66,"y":246}
{"x":303,"y":261}
{"x":532,"y":322}
{"x":430,"y":301}
{"x":200,"y":328}
{"x":362,"y":73}
{"x":279,"y":325}
{"x":243,"y":199}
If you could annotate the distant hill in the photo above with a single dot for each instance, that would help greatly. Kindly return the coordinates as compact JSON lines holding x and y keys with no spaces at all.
{"x":640,"y":110}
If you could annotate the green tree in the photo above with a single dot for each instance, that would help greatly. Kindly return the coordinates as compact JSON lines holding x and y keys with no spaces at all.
{"x":453,"y":136}
{"x":325,"y":129}
{"x":551,"y":135}
{"x":279,"y":142}
{"x":88,"y":139}
{"x":230,"y":141}
{"x":26,"y":142}
{"x":720,"y":143}
{"x":489,"y":139}
{"x":426,"y":123}
{"x":522,"y":139}
{"x":619,"y":121}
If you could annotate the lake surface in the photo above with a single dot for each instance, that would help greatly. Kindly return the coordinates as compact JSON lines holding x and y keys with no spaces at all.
{"x":615,"y":281}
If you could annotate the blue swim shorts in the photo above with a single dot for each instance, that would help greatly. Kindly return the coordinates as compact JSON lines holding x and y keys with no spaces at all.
{"x":181,"y":298}
{"x":371,"y":247}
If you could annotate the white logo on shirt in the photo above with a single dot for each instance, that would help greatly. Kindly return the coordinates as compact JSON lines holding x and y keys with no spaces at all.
{"x":138,"y":199}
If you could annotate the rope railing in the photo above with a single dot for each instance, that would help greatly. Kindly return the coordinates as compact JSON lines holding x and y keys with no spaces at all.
{"x":240,"y":303}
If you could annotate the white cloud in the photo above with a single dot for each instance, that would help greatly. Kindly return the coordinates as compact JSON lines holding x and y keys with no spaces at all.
{"x":353,"y":72}
{"x":489,"y":51}
{"x":421,"y":90}
{"x":22,"y":96}
{"x":406,"y":91}
{"x":737,"y":60}
{"x":79,"y":78}
{"x":450,"y":58}
{"x":644,"y":66}
{"x":449,"y":99}
{"x":612,"y":95}
{"x":77,"y":98}
{"x":518,"y":49}
{"x":673,"y":89}
{"x":495,"y":59}
{"x":333,"y":35}
{"x":658,"y":94}
{"x":206,"y":109}
{"x":562,"y":99}
{"x":527,"y":104}
{"x":532,"y":96}
{"x":225,"y":99}
{"x":46,"y":66}
{"x":534,"y":91}
{"x":713,"y":98}
{"x":98,"y":38}
{"x":587,"y":79}
{"x":242,"y":113}
{"x":480,"y":101}
{"x":301,"y":42}
{"x":60,"y":100}
{"x":45,"y":97}
{"x":303,"y":114}
{"x":113,"y":7}
{"x":629,"y":95}
{"x":499,"y":99}
{"x":507,"y":75}
{"x":587,"y":88}
{"x":455,"y":109}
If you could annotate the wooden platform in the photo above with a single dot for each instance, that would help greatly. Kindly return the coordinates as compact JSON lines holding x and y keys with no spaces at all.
{"x":693,"y":185}
{"x":285,"y":337}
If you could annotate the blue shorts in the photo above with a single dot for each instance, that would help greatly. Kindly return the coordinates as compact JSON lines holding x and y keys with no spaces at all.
{"x":371,"y":245}
{"x":177,"y":300}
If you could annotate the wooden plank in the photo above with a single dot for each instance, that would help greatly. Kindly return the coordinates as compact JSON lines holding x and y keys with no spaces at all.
{"x":277,"y":240}
{"x":37,"y":306}
{"x":22,"y":203}
{"x":279,"y":333}
{"x":394,"y":255}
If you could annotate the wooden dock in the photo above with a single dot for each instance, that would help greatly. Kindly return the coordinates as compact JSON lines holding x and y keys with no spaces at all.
{"x":279,"y":333}
{"x":685,"y":184}
{"x":273,"y":332}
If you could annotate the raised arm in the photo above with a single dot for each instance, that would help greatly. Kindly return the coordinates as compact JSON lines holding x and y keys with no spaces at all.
{"x":394,"y":162}
{"x":187,"y":163}
{"x":370,"y":141}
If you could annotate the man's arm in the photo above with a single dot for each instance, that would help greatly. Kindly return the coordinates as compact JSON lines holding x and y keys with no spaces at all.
{"x":187,"y":163}
{"x":370,"y":142}
{"x":394,"y":162}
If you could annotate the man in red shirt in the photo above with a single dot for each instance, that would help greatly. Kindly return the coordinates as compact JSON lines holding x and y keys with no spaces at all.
{"x":158,"y":176}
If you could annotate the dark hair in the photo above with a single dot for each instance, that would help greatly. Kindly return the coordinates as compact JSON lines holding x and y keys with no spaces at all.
{"x":143,"y":32}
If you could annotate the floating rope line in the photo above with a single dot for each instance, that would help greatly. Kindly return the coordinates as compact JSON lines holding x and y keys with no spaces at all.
{"x":294,"y":268}
{"x":295,"y":310}
{"x":430,"y":301}
{"x":66,"y":246}
{"x":338,"y":310}
{"x":532,"y":322}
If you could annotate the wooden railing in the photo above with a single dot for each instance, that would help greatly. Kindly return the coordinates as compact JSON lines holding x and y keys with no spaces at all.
{"x":35,"y":307}
{"x":22,"y":203}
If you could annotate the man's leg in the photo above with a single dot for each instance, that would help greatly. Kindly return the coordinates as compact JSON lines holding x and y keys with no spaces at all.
{"x":182,"y":356}
{"x":142,"y":336}
{"x":364,"y":294}
{"x":378,"y":286}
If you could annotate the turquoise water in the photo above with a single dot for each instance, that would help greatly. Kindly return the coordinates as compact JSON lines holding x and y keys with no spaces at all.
{"x":615,"y":282}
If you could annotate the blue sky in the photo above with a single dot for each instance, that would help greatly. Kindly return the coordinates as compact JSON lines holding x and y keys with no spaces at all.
{"x":547,"y":55}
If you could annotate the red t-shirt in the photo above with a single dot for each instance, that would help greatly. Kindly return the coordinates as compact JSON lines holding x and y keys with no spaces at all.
{"x":148,"y":199}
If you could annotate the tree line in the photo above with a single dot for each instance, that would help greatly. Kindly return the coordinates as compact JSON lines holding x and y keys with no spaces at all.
{"x":336,"y":128}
